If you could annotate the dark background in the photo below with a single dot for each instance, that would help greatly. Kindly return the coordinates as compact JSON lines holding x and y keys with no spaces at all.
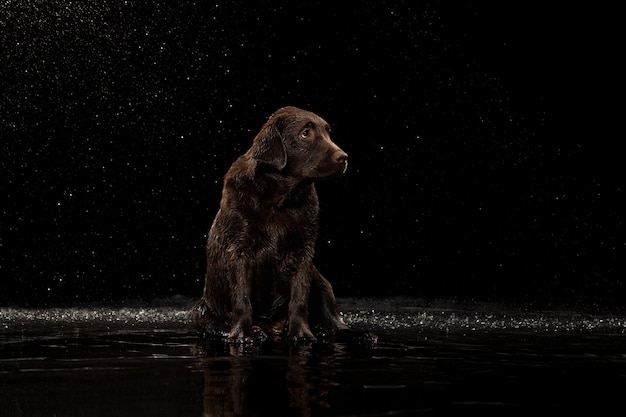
{"x":483,"y":165}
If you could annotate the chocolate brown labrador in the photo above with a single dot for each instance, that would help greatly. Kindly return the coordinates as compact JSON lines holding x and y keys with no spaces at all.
{"x":260,"y":278}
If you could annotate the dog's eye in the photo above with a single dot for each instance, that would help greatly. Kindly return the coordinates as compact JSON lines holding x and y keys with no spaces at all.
{"x":305,"y":133}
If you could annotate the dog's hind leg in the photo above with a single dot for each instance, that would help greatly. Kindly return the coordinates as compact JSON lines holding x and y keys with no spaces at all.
{"x":207,"y":321}
{"x":323,"y":312}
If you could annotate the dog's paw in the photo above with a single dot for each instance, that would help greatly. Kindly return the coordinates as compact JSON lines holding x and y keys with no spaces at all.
{"x":300,"y":333}
{"x":241,"y":336}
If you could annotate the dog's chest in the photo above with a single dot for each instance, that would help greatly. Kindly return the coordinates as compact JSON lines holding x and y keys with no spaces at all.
{"x":282,"y":223}
{"x":279,"y":229}
{"x":268,"y":221}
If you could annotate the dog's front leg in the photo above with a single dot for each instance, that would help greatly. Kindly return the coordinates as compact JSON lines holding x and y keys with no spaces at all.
{"x":241,"y":289}
{"x":298,"y":320}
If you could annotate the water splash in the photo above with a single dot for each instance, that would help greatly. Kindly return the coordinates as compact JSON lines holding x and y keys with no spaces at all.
{"x":365,"y":314}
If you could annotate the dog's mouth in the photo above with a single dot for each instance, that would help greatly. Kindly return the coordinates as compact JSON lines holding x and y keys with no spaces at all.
{"x":341,"y":169}
{"x":336,"y":170}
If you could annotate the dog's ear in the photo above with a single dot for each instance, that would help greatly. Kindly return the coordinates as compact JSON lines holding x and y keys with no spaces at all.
{"x":268,"y":146}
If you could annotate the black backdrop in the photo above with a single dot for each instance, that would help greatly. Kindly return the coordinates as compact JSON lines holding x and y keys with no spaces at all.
{"x":482,"y":165}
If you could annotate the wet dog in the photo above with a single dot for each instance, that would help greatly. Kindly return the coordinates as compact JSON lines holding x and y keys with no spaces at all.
{"x":260,"y":277}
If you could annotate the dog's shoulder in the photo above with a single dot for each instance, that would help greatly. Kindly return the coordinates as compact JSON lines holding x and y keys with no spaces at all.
{"x":246,"y":183}
{"x":242,"y":173}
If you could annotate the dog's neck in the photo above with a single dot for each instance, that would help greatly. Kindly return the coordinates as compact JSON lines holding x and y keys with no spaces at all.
{"x":287,"y":190}
{"x":288,"y":184}
{"x":273,"y":187}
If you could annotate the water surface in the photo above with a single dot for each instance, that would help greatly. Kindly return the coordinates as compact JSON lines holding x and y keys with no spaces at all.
{"x":447,"y":360}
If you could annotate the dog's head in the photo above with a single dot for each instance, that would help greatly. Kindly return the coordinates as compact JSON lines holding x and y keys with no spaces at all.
{"x":297,"y":143}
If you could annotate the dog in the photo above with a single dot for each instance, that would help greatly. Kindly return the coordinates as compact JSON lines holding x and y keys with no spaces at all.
{"x":260,"y":277}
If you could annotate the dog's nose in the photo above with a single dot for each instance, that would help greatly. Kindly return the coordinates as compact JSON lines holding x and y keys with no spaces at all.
{"x":340,"y":157}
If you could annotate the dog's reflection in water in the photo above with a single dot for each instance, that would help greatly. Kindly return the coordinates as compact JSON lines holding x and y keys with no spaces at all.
{"x":244,"y":380}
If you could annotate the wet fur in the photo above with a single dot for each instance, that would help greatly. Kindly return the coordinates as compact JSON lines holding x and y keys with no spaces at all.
{"x":260,"y":277}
